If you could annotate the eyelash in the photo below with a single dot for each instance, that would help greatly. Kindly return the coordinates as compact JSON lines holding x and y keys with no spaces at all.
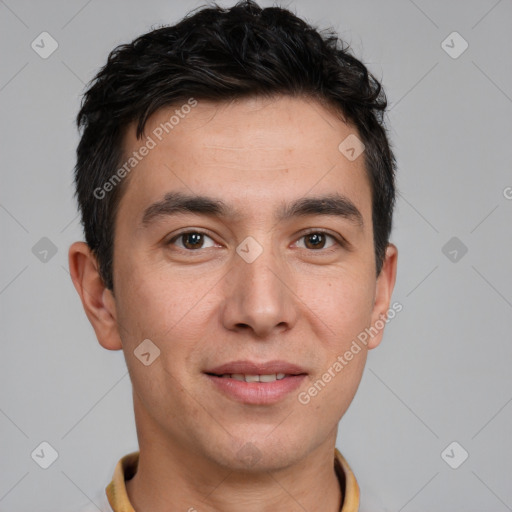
{"x":340,"y":242}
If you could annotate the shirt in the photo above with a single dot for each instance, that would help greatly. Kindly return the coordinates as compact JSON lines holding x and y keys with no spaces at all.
{"x":126,"y":468}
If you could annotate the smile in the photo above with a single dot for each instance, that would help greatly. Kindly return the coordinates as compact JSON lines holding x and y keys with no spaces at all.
{"x":254,"y":378}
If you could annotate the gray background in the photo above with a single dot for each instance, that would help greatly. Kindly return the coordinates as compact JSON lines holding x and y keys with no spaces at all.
{"x":442,"y":373}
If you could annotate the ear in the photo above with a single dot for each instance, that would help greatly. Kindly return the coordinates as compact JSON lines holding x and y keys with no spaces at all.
{"x":383,"y":292}
{"x":97,"y":301}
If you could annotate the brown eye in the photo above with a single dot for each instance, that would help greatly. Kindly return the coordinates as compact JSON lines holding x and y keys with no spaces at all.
{"x":191,"y":240}
{"x":317,"y":240}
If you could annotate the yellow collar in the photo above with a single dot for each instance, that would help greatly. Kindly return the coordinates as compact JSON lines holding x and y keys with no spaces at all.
{"x":127,"y":467}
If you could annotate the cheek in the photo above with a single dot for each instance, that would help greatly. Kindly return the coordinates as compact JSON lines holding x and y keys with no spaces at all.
{"x":172,"y":312}
{"x":162,"y":395}
{"x":341,"y":306}
{"x":341,"y":309}
{"x":156,"y":305}
{"x":330,"y":392}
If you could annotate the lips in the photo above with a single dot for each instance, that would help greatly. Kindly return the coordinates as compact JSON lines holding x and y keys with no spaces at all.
{"x":249,"y":368}
{"x":253,"y":383}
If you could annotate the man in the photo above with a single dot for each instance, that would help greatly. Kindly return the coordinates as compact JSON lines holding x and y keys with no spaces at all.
{"x":236,"y":186}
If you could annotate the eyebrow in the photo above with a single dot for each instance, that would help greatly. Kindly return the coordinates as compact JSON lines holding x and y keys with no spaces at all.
{"x":178,"y":202}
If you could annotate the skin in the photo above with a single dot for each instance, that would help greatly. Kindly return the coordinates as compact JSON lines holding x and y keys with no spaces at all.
{"x":208,"y":306}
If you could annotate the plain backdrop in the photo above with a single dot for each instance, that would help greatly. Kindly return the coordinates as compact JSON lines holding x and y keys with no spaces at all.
{"x":442,"y":373}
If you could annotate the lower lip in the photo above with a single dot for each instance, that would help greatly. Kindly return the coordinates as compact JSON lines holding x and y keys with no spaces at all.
{"x":257,"y":393}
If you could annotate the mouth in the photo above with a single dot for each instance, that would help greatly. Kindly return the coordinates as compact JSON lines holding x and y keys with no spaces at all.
{"x":256,"y":383}
{"x":252,"y":378}
{"x":250,"y":368}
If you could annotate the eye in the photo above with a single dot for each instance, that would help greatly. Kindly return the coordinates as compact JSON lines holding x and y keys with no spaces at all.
{"x":195,"y":240}
{"x":316,"y":240}
{"x":191,"y":240}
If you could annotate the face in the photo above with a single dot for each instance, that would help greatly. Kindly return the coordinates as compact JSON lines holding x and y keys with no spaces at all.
{"x":263,"y":278}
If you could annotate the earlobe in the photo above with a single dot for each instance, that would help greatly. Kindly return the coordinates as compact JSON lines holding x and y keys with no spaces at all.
{"x":384,"y":290}
{"x":97,"y":301}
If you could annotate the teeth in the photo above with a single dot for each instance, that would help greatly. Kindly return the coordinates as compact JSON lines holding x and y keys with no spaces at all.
{"x":255,"y":378}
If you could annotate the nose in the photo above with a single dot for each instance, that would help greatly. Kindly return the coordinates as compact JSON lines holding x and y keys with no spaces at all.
{"x":259,"y":296}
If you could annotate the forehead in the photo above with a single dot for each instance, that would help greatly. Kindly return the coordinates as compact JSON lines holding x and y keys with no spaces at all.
{"x":252,"y":153}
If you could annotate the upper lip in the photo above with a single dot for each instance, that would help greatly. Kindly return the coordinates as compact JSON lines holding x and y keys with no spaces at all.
{"x":252,"y":368}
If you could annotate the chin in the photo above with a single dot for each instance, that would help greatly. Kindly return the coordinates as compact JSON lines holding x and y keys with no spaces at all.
{"x":261,"y":453}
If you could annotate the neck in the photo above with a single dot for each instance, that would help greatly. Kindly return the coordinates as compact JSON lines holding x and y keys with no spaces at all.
{"x":171,"y":476}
